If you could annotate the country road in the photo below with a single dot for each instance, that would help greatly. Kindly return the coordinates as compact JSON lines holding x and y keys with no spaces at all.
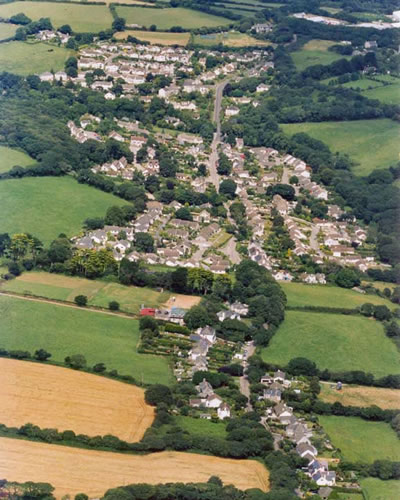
{"x":244,"y":381}
{"x":230,"y":251}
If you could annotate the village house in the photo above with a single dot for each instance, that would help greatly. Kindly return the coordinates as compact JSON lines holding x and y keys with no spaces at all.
{"x":224,"y":411}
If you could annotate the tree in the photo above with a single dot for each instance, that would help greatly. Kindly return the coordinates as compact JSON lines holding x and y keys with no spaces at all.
{"x":119,"y":24}
{"x":347,"y":278}
{"x":20,"y":18}
{"x":224,"y":165}
{"x":179,"y":280}
{"x":115,"y":216}
{"x":153,"y":27}
{"x":144,"y":242}
{"x":157,"y":394}
{"x":228,"y":188}
{"x":60,"y":250}
{"x":42,"y":355}
{"x":285,"y":190}
{"x":148,"y":323}
{"x":76,"y":361}
{"x":99,"y":368}
{"x":302,"y":366}
{"x":183,"y":213}
{"x":197,"y":317}
{"x":66,"y":29}
{"x":81,"y":300}
{"x":113,"y":305}
{"x":382,"y":313}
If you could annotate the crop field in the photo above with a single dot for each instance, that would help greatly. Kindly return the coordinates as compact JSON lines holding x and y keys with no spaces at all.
{"x":156,"y":37}
{"x":335,"y":342}
{"x":230,"y":39}
{"x":99,"y":293}
{"x":62,"y":331}
{"x":60,"y":398}
{"x":166,"y":18}
{"x":360,"y":395}
{"x":314,"y":52}
{"x":301,"y":294}
{"x":7,"y":30}
{"x":73,"y":470}
{"x":375,"y":489}
{"x":374,"y":143}
{"x":360,"y":440}
{"x":81,"y":18}
{"x":11,"y":157}
{"x":200,"y":426}
{"x":27,"y":58}
{"x":56,"y":205}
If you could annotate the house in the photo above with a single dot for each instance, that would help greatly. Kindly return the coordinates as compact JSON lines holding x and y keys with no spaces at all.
{"x":272,"y":395}
{"x":280,"y":204}
{"x":324,"y":478}
{"x":177,"y":314}
{"x":371,"y":44}
{"x":266,"y":379}
{"x":213,"y":401}
{"x":232,"y":111}
{"x":306,"y":450}
{"x":204,"y":389}
{"x":147,"y":311}
{"x":262,"y":28}
{"x":226,"y":314}
{"x":224,"y":411}
{"x":239,"y":308}
{"x":262,"y":88}
{"x":279,"y":376}
{"x":207,"y":333}
{"x":281,"y":410}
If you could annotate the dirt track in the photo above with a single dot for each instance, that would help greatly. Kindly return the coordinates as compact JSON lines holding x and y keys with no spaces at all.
{"x":73,"y":470}
{"x":55,"y":397}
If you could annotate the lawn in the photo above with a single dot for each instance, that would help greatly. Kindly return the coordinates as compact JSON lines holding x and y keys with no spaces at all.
{"x":81,"y":18}
{"x":333,"y":341}
{"x":31,"y":58}
{"x":314,"y":52}
{"x":156,"y":37}
{"x":11,"y":157}
{"x":99,"y":293}
{"x":300,"y":295}
{"x":200,"y":426}
{"x":371,"y":143}
{"x":48,"y":206}
{"x":7,"y":30}
{"x":375,"y":489}
{"x":63,"y":331}
{"x":360,"y":440}
{"x":166,"y":18}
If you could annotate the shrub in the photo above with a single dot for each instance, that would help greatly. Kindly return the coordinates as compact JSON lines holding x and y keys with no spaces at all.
{"x":81,"y":300}
{"x":113,"y":305}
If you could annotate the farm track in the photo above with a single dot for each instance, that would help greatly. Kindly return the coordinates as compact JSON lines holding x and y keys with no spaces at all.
{"x":73,"y":470}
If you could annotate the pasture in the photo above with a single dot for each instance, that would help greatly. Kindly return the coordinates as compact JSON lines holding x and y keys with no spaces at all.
{"x":360,"y":395}
{"x":99,"y":293}
{"x":10,"y":157}
{"x":375,"y":489}
{"x":168,"y":17}
{"x":81,"y":18}
{"x":333,"y":341}
{"x":301,"y":294}
{"x":73,"y":470}
{"x":156,"y":37}
{"x":230,"y":39}
{"x":64,"y":399}
{"x":360,"y":440}
{"x":62,"y":331}
{"x":25,"y":58}
{"x":202,"y":427}
{"x":56,"y":205}
{"x":389,"y":94}
{"x":7,"y":30}
{"x":314,"y":52}
{"x":373,"y":144}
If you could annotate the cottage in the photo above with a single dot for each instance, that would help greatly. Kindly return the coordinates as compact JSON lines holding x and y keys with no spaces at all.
{"x":227,"y":314}
{"x":224,"y":411}
{"x":306,"y":449}
{"x":204,"y":389}
{"x":208,"y":333}
{"x":272,"y":395}
{"x":213,"y":401}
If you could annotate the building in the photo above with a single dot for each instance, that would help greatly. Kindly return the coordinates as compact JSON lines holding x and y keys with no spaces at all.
{"x":224,"y":411}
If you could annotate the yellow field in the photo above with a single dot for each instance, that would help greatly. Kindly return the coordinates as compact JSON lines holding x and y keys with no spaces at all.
{"x":55,"y":397}
{"x":156,"y":37}
{"x":73,"y":470}
{"x":358,"y":395}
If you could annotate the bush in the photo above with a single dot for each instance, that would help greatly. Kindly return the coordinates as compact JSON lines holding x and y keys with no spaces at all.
{"x":76,"y":361}
{"x":158,"y":393}
{"x":81,"y":300}
{"x":113,"y":305}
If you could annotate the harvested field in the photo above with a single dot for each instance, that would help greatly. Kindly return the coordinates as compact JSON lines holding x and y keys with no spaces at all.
{"x":359,"y":395}
{"x":55,"y":397}
{"x":73,"y":470}
{"x":156,"y":37}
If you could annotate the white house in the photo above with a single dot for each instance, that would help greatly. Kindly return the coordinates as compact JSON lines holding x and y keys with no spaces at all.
{"x":224,"y":411}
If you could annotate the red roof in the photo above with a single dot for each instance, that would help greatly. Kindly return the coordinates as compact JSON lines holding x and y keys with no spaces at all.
{"x":147,"y":311}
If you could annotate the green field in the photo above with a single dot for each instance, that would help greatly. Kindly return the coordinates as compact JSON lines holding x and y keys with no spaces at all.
{"x":333,"y":341}
{"x":200,"y":426}
{"x":300,"y":295}
{"x":99,"y":293}
{"x":31,"y":58}
{"x":11,"y":157}
{"x":371,"y":143}
{"x":360,"y":440}
{"x":7,"y":30}
{"x":156,"y":37}
{"x":314,"y":52}
{"x":63,"y":331}
{"x":81,"y":18}
{"x":48,"y":206}
{"x":166,"y":18}
{"x":375,"y":489}
{"x":389,"y":94}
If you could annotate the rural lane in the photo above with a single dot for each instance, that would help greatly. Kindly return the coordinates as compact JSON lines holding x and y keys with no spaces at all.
{"x":244,"y":381}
